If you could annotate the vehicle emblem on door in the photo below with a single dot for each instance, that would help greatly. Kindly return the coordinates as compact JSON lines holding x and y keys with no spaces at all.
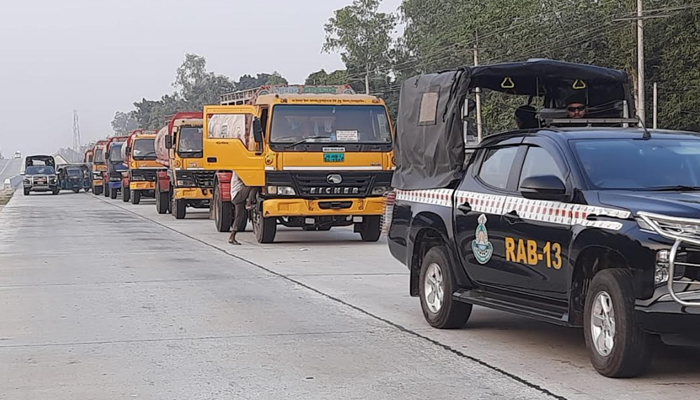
{"x":483,"y":249}
{"x":334,"y":179}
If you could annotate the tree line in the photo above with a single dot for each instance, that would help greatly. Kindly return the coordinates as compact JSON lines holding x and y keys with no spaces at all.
{"x":442,"y":34}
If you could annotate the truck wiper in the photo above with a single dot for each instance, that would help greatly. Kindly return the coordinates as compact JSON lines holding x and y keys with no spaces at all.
{"x":675,"y":188}
{"x":305,"y":140}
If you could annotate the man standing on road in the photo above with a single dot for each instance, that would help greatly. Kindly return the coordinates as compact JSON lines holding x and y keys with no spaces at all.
{"x":239,"y":195}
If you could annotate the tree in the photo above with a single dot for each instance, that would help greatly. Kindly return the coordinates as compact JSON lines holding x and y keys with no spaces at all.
{"x":362,"y":34}
{"x":339,"y":77}
{"x":124,"y":123}
{"x":276,"y":79}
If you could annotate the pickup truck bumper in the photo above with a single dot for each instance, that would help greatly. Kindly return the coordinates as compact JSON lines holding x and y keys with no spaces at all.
{"x":296,"y":207}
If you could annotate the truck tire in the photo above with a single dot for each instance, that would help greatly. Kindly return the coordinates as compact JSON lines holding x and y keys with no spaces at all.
{"x":162,"y":202}
{"x":435,"y":287}
{"x":135,"y":197}
{"x":179,"y":208}
{"x":97,"y":190}
{"x":113,"y":193}
{"x":26,"y":192}
{"x":126,"y":195}
{"x":105,"y":190}
{"x":371,"y":228}
{"x":617,"y":346}
{"x":223,"y":211}
{"x":265,"y":229}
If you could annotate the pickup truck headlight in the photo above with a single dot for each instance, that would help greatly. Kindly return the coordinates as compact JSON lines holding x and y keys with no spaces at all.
{"x":662,"y":260}
{"x":27,"y":182}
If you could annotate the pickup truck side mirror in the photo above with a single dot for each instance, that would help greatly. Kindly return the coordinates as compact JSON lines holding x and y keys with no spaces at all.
{"x":168,"y":142}
{"x":257,"y":131}
{"x":544,"y":187}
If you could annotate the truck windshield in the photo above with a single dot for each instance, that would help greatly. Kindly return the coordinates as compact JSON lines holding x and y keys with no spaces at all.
{"x":115,"y":153}
{"x":190,"y":140}
{"x":74,"y":172}
{"x":654,"y":164}
{"x":330,"y":123}
{"x":39,"y":170}
{"x":99,"y":156}
{"x":144,"y":149}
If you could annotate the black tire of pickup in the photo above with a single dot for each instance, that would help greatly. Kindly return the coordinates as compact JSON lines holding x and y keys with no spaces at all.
{"x":26,"y":192}
{"x":453,"y":314}
{"x":632,"y":347}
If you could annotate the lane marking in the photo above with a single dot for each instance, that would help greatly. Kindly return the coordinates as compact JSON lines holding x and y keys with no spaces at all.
{"x":352,"y":306}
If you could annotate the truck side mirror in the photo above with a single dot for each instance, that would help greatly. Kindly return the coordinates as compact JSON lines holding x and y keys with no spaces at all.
{"x":544,"y":187}
{"x":168,"y":142}
{"x":257,"y":131}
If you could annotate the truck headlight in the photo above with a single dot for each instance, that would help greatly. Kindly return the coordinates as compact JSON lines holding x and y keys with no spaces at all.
{"x":281,"y":190}
{"x":379,"y":191}
{"x":185,"y":182}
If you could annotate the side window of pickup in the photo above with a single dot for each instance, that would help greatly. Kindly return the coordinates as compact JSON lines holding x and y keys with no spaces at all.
{"x":538,"y":162}
{"x":496,"y":166}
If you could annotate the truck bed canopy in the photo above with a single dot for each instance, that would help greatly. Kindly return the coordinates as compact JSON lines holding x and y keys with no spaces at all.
{"x":430,"y":148}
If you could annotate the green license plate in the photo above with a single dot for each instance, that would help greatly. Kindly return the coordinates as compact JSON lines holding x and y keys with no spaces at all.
{"x":334,"y":157}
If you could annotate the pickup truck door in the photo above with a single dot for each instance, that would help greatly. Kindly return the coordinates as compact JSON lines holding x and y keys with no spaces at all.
{"x":537,"y":233}
{"x":229,"y":142}
{"x":478,"y":213}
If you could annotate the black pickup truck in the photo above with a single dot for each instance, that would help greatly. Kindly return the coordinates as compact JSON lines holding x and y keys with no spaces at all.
{"x":592,"y":226}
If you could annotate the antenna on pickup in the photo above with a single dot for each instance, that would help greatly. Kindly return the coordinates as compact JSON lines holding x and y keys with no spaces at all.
{"x":647,"y":134}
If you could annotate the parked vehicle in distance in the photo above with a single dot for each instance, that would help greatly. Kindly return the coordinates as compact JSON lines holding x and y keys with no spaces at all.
{"x":39,"y":175}
{"x":139,"y":155}
{"x":17,"y":154}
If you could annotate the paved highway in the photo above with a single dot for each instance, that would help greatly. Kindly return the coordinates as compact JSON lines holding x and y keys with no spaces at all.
{"x":100,"y":299}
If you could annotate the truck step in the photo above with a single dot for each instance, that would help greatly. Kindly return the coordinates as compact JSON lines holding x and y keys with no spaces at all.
{"x":538,"y":310}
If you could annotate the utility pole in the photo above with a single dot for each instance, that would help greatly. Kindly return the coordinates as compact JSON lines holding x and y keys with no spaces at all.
{"x":656,"y":106}
{"x":367,"y":80}
{"x":479,"y":126}
{"x":76,"y":132}
{"x":640,"y":62}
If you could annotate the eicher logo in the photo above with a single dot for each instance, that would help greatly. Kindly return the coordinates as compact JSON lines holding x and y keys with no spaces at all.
{"x":334,"y":179}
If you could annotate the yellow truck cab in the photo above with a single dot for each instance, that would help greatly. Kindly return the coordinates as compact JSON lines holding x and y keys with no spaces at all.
{"x":183,"y":180}
{"x":139,"y":154}
{"x":319,"y":157}
{"x":99,"y":167}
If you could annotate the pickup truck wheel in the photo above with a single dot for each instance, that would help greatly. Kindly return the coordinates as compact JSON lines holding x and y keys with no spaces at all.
{"x":223,"y":212}
{"x":56,"y":191}
{"x":179,"y":208}
{"x":617,"y":346}
{"x":265,"y":229}
{"x":113,"y":193}
{"x":126,"y":195}
{"x":26,"y":192}
{"x":371,"y":228}
{"x":135,"y":197}
{"x":436,"y":286}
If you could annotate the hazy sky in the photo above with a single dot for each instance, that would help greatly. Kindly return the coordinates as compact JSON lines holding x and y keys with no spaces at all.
{"x":99,"y":56}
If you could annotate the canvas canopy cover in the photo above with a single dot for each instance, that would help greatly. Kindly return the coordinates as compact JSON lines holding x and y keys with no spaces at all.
{"x":430,"y":149}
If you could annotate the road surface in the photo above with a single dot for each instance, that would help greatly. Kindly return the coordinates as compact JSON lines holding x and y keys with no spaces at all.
{"x":100,"y":299}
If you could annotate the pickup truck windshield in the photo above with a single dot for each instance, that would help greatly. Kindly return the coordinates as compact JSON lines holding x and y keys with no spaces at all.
{"x":330,"y":123}
{"x":115,"y":153}
{"x":144,"y":149}
{"x":653,"y":164}
{"x":39,"y":170}
{"x":190,"y":140}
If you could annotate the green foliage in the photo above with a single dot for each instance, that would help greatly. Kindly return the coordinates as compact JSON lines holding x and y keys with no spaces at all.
{"x":195,"y":88}
{"x":339,"y":77}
